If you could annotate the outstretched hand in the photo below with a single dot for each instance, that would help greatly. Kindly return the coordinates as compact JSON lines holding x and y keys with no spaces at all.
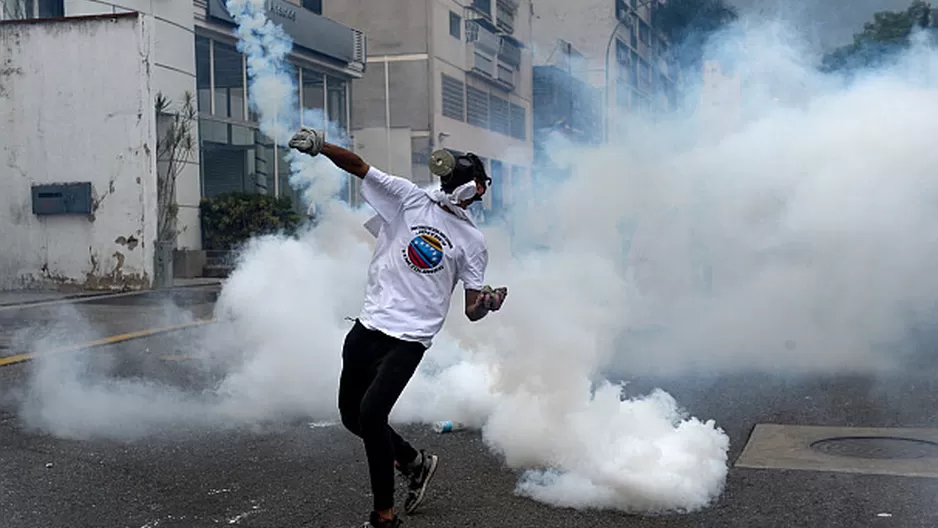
{"x":308,"y":141}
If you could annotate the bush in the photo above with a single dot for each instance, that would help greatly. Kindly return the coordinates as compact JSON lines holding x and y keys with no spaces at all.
{"x":229,"y":220}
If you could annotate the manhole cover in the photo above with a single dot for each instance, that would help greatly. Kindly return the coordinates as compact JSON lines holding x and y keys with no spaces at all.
{"x":877,"y":447}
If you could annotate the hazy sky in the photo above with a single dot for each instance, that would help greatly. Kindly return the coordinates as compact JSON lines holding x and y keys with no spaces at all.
{"x":826,"y":23}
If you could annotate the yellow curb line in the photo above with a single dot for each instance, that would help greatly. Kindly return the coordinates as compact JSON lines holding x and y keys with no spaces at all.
{"x":178,"y":358}
{"x":120,"y":338}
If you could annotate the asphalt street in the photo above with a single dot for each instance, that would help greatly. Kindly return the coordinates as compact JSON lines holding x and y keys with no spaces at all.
{"x":57,"y":322}
{"x":294,"y":474}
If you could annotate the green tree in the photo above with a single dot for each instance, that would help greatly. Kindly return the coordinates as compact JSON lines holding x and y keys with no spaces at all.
{"x":882,"y":39}
{"x":688,"y":24}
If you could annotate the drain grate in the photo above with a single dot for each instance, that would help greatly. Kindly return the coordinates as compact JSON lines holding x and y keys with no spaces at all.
{"x":877,"y":447}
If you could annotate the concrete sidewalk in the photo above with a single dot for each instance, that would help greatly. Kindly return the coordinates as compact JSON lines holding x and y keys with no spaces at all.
{"x":31,"y":297}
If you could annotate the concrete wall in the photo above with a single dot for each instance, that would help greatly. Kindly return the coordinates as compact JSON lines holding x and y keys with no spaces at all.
{"x":61,"y":123}
{"x":173,"y":74}
{"x":407,"y":85}
{"x":372,"y":145}
{"x":393,"y":27}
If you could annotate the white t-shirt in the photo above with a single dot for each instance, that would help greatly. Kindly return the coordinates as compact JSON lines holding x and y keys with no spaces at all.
{"x":420,"y":253}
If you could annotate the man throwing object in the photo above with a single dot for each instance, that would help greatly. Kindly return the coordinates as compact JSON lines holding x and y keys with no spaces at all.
{"x":426,"y":243}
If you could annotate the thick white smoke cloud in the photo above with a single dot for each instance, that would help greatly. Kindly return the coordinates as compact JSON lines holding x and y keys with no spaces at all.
{"x":795,"y":238}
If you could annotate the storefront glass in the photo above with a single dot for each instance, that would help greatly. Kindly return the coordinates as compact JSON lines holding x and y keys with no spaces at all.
{"x":235,"y":155}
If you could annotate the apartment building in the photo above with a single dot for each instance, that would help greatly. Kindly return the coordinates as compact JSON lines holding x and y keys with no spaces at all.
{"x":614,"y":47}
{"x":444,"y":74}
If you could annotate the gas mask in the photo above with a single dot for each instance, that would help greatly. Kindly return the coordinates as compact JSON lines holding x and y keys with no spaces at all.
{"x":459,"y":175}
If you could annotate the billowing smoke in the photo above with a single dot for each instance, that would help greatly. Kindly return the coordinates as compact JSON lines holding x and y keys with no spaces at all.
{"x":790,"y":231}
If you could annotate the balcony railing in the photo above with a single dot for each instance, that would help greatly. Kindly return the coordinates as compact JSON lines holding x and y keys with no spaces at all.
{"x":481,"y":37}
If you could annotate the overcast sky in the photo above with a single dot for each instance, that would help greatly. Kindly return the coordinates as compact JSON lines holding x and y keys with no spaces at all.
{"x":826,"y":23}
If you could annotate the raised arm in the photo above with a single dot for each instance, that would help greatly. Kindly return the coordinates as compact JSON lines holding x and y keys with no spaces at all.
{"x":345,"y":159}
{"x":312,"y":142}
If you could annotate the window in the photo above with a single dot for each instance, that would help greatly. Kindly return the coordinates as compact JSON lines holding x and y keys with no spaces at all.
{"x":455,"y":25}
{"x":454,"y":98}
{"x":499,"y":119}
{"x":314,"y":98}
{"x":338,"y":105}
{"x":203,"y":75}
{"x":497,"y":187}
{"x":235,"y":158}
{"x":313,"y":5}
{"x":477,"y":107}
{"x":29,"y":9}
{"x":235,"y":154}
{"x":505,"y":16}
{"x":229,"y":82}
{"x":622,"y":52}
{"x":484,"y":6}
{"x":51,"y":8}
{"x":519,"y":122}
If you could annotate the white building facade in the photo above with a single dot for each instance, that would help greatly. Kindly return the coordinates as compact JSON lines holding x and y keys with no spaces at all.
{"x":192,"y":50}
{"x":77,"y":201}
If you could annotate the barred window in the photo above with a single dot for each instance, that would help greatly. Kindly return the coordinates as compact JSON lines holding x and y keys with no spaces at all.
{"x":519,"y":123}
{"x":477,"y":107}
{"x":499,"y":117}
{"x":454,"y":98}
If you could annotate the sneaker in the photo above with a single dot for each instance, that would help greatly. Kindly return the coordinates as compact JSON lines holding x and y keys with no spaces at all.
{"x":375,"y":521}
{"x":420,"y":475}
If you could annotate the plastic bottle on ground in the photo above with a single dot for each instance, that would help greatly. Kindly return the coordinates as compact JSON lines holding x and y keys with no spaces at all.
{"x":447,"y":426}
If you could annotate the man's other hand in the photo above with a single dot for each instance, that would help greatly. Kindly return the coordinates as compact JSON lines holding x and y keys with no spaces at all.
{"x":492,"y":299}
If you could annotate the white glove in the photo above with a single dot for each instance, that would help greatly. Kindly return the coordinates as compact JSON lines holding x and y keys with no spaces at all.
{"x":308,"y":141}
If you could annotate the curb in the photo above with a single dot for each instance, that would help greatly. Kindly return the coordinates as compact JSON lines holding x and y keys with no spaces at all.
{"x":81,"y":297}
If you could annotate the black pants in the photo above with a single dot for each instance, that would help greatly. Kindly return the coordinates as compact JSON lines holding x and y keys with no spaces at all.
{"x":375,"y":369}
